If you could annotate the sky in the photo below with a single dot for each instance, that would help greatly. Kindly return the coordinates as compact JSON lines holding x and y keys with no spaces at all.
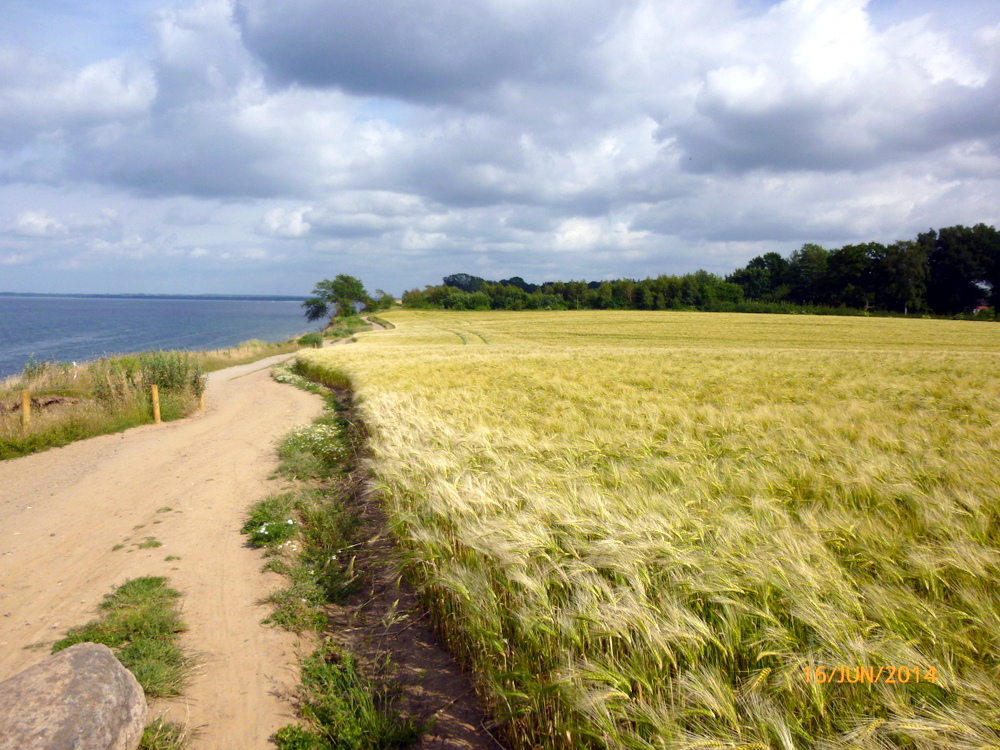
{"x":258,"y":146}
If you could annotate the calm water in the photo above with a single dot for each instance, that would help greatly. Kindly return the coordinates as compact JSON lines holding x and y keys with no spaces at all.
{"x":71,"y":329}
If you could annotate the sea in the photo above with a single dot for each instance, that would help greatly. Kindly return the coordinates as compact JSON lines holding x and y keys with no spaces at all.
{"x":67,"y":329}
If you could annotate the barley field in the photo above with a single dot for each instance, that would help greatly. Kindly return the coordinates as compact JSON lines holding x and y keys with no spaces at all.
{"x":694,"y":530}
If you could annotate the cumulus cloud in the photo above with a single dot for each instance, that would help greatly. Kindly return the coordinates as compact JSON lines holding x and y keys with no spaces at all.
{"x":37,"y":224}
{"x":39,"y":97}
{"x":40,"y":224}
{"x":279,"y":222}
{"x":504,"y":137}
{"x":812,"y":84}
{"x":423,"y":50}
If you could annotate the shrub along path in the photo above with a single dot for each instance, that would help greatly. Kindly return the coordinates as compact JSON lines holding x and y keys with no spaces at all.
{"x":162,"y":500}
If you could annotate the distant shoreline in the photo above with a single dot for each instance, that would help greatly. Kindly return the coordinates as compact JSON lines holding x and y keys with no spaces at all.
{"x":241,"y":297}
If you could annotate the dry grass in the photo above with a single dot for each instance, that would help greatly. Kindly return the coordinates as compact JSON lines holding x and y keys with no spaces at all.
{"x":639,"y":528}
{"x":77,"y":401}
{"x":244,"y":353}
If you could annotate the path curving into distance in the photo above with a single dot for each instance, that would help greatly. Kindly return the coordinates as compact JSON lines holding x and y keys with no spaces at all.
{"x":62,"y":512}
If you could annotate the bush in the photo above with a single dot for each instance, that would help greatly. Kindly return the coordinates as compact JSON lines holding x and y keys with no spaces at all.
{"x":315,"y":340}
{"x":171,"y":372}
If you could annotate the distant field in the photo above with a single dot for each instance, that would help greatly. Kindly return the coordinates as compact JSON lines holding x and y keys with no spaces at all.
{"x":649,"y":530}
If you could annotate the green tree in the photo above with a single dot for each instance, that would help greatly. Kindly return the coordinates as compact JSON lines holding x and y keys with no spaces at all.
{"x":605,"y":296}
{"x":339,"y":295}
{"x":465,"y":282}
{"x":755,"y":282}
{"x":850,"y":274}
{"x":382,"y":301}
{"x":807,"y":274}
{"x":763,"y":278}
{"x":904,"y":275}
{"x":956,"y":260}
{"x":988,"y":240}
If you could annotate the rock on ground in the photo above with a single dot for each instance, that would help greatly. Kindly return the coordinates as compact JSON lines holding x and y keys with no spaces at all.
{"x":80,"y":699}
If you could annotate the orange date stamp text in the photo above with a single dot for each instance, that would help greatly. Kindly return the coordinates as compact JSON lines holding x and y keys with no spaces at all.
{"x":869,"y":675}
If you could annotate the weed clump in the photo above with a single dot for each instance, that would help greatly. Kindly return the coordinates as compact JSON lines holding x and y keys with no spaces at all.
{"x":314,"y":451}
{"x":164,"y":735}
{"x":270,"y":521}
{"x":345,"y":709}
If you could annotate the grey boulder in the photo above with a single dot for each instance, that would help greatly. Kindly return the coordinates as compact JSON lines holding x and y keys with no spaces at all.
{"x":79,"y":699}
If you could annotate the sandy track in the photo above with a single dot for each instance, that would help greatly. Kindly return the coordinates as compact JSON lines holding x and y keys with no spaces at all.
{"x":62,"y":512}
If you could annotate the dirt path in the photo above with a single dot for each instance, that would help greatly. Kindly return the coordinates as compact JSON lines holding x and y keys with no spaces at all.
{"x":62,"y":512}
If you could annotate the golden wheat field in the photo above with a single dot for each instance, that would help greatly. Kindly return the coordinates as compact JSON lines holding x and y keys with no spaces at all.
{"x":694,"y":530}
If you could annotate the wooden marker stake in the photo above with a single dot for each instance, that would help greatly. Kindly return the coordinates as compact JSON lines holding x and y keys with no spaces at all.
{"x":156,"y":403}
{"x":201,"y":402}
{"x":25,"y":409}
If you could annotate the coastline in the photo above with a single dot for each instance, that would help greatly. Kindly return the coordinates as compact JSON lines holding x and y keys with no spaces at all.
{"x":140,"y":295}
{"x":66,"y":329}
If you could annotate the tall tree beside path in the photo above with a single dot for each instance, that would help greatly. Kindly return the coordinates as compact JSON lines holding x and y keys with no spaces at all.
{"x":336,"y":298}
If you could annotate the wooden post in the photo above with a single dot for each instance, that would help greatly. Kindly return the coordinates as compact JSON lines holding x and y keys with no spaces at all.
{"x":25,"y":409}
{"x":156,"y":403}
{"x":201,"y":402}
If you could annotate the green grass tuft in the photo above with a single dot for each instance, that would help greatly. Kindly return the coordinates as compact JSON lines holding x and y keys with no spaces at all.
{"x":164,"y":735}
{"x":345,"y":709}
{"x":140,"y":621}
{"x":270,"y":521}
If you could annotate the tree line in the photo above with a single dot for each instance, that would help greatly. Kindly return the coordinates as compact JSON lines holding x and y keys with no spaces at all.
{"x":950,"y":271}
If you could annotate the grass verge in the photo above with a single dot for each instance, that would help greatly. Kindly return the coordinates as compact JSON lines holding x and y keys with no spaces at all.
{"x":308,"y":539}
{"x":342,"y":328}
{"x":110,"y":395}
{"x":243,"y":354}
{"x":309,"y":534}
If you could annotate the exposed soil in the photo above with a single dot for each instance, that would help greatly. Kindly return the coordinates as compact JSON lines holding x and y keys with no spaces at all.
{"x":41,"y":402}
{"x":387,"y":628}
{"x":188,"y":484}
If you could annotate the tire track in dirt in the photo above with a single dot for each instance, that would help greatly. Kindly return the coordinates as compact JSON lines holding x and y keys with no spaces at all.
{"x":62,"y":512}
